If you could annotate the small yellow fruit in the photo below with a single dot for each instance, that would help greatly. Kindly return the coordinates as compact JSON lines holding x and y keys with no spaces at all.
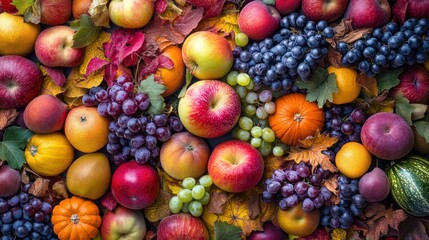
{"x":348,"y":89}
{"x":353,"y":160}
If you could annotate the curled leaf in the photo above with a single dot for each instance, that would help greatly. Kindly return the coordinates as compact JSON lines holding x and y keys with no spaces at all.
{"x":99,"y":13}
{"x":380,"y":219}
{"x":218,"y":199}
{"x":59,"y":190}
{"x":7,"y":116}
{"x":369,"y":83}
{"x":159,"y":209}
{"x":56,"y":74}
{"x":40,"y":187}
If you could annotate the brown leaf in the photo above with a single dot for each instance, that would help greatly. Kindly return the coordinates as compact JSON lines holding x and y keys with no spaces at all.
{"x":226,"y":22}
{"x":217,"y":201}
{"x":159,"y":209}
{"x":369,"y":83}
{"x":268,"y":211}
{"x":99,"y":13}
{"x":59,"y":189}
{"x":356,"y":35}
{"x":310,"y":150}
{"x":373,"y":104}
{"x":412,"y":229}
{"x":169,"y":183}
{"x":332,"y":185}
{"x":253,"y":198}
{"x":380,"y":218}
{"x":40,"y":187}
{"x":334,"y":57}
{"x":272,"y":163}
{"x":7,"y":116}
{"x":344,"y":27}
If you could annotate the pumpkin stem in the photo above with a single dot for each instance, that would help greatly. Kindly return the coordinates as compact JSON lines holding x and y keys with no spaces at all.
{"x":297,"y":117}
{"x":33,"y":150}
{"x":74,"y":218}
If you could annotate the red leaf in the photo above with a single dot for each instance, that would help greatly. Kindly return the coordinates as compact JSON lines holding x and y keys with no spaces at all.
{"x":7,"y":6}
{"x":94,"y":65}
{"x":400,"y":10}
{"x":214,"y":10}
{"x":57,"y":75}
{"x":189,"y":20}
{"x":160,"y":6}
{"x":124,"y":46}
{"x":108,"y":200}
{"x":110,"y":73}
{"x":159,"y":62}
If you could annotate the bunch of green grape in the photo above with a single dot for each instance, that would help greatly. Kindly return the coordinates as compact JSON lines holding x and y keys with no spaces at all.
{"x":193,"y":196}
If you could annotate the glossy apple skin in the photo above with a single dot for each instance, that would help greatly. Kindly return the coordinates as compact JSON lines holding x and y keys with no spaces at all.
{"x":298,"y":222}
{"x":258,"y":20}
{"x":20,"y":81}
{"x":235,"y":166}
{"x":327,"y":10}
{"x":414,"y":9}
{"x":180,"y":152}
{"x":53,"y":47}
{"x":55,"y":12}
{"x":270,"y":232}
{"x":121,"y":223}
{"x":135,"y":186}
{"x":285,"y":7}
{"x":80,"y":7}
{"x":207,"y":55}
{"x":182,"y":226}
{"x":368,"y":13}
{"x":209,"y":109}
{"x":374,"y":186}
{"x":414,"y":84}
{"x":10,"y":181}
{"x":387,"y":136}
{"x":131,"y":13}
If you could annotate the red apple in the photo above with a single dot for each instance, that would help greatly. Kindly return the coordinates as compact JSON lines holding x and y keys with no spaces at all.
{"x":270,"y":232}
{"x":258,"y":20}
{"x":55,"y":12}
{"x":182,"y":226}
{"x":131,"y":13}
{"x":135,"y":186}
{"x":387,"y":136}
{"x":80,"y":7}
{"x":53,"y":47}
{"x":298,"y":222}
{"x":181,"y":151}
{"x":285,"y":7}
{"x":404,"y":9}
{"x":20,"y":81}
{"x":123,"y":223}
{"x":209,"y":109}
{"x":10,"y":181}
{"x":207,"y":55}
{"x":374,"y":186}
{"x":414,"y":84}
{"x":328,"y":10}
{"x":235,"y":166}
{"x":368,"y":13}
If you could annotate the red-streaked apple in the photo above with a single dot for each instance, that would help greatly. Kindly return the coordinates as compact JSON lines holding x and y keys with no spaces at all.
{"x":285,"y":7}
{"x":258,"y":20}
{"x":182,"y":226}
{"x":327,"y":10}
{"x":405,"y":9}
{"x":131,"y":13}
{"x":181,"y":151}
{"x":123,"y":223}
{"x":53,"y":47}
{"x":20,"y":81}
{"x":10,"y":181}
{"x":135,"y":186}
{"x":270,"y":232}
{"x":368,"y":13}
{"x":374,"y":186}
{"x":298,"y":222}
{"x":55,"y":12}
{"x":387,"y":136}
{"x":209,"y":109}
{"x":235,"y":166}
{"x":207,"y":55}
{"x":413,"y":84}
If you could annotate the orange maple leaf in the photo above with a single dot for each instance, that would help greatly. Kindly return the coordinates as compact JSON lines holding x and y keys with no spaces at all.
{"x":310,"y":150}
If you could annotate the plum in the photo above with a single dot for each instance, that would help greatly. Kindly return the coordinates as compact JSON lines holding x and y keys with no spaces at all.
{"x":374,"y":186}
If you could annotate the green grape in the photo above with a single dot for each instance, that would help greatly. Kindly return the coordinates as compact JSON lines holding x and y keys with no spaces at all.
{"x":241,"y":91}
{"x":268,"y":135}
{"x":256,"y":142}
{"x":263,"y":123}
{"x":252,"y":97}
{"x":188,"y":182}
{"x":241,"y":39}
{"x":256,"y":131}
{"x":185,"y":207}
{"x":185,"y":195}
{"x":175,"y":204}
{"x":206,"y":180}
{"x":251,"y":86}
{"x":278,"y":151}
{"x":243,"y":135}
{"x":198,"y":192}
{"x":270,"y":107}
{"x":250,"y":110}
{"x":245,"y":123}
{"x":243,"y":79}
{"x":195,"y":208}
{"x":205,"y":200}
{"x":231,"y":78}
{"x":265,"y":148}
{"x":283,"y":146}
{"x":261,"y":113}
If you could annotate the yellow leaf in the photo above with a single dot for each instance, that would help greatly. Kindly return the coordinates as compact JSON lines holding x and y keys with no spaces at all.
{"x":339,"y":234}
{"x":73,"y":101}
{"x":94,"y":50}
{"x":310,"y":150}
{"x":226,"y":22}
{"x":169,"y":183}
{"x":72,"y":91}
{"x":171,"y":12}
{"x":268,"y":211}
{"x":49,"y":86}
{"x":272,"y":163}
{"x":93,"y":80}
{"x":159,"y":209}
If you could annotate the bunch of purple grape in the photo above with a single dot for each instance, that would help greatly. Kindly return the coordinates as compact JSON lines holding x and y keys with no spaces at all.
{"x":288,"y":187}
{"x":24,"y":216}
{"x":343,"y":214}
{"x":133,"y":133}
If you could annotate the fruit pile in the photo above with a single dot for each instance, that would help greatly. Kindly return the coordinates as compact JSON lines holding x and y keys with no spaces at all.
{"x":214,"y":119}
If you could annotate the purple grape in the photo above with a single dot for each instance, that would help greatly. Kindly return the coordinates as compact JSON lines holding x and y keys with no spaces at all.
{"x":3,"y":206}
{"x":121,"y":80}
{"x":13,"y":201}
{"x":287,"y":190}
{"x":347,"y":128}
{"x":126,"y":152}
{"x":335,"y":211}
{"x":112,"y":138}
{"x":150,"y":141}
{"x":134,"y":124}
{"x":303,"y":170}
{"x":155,"y":151}
{"x":347,"y":218}
{"x":335,"y":223}
{"x":114,"y":109}
{"x":283,"y":204}
{"x":301,"y":188}
{"x":359,"y":201}
{"x":292,"y":200}
{"x":95,"y":90}
{"x":17,"y":212}
{"x":25,"y":188}
{"x":273,"y":187}
{"x":150,"y":128}
{"x":160,"y":120}
{"x":113,"y":126}
{"x":37,"y":204}
{"x":307,"y":205}
{"x":118,"y":159}
{"x":111,"y":91}
{"x":292,"y":176}
{"x":128,"y":134}
{"x":266,"y":196}
{"x":354,"y":137}
{"x":345,"y":190}
{"x":120,"y":133}
{"x":38,"y":227}
{"x":343,"y":180}
{"x":163,"y":134}
{"x":46,"y":208}
{"x":113,"y":148}
{"x":137,"y":141}
{"x":336,"y":124}
{"x":128,"y":87}
{"x":315,"y":179}
{"x":121,"y":96}
{"x":124,"y":142}
{"x":142,"y":155}
{"x":7,"y":217}
{"x":144,"y":104}
{"x":140,"y":97}
{"x":325,"y":193}
{"x":39,"y":216}
{"x":102,"y":109}
{"x":335,"y":110}
{"x":102,"y":96}
{"x":279,"y":175}
{"x":355,"y":210}
{"x":175,"y":124}
{"x":89,"y":100}
{"x":123,"y":120}
{"x":129,"y":106}
{"x":312,"y":192}
{"x":318,"y":201}
{"x":21,"y":232}
{"x":358,"y":116}
{"x":23,"y":198}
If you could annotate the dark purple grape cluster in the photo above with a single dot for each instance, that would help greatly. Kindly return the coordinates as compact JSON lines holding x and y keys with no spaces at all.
{"x":133,"y":134}
{"x":391,"y":46}
{"x":291,"y":52}
{"x":290,"y":186}
{"x":24,"y":216}
{"x":343,"y":214}
{"x":345,"y":123}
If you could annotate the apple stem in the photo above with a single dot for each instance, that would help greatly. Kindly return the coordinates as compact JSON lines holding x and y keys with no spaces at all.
{"x":74,"y":218}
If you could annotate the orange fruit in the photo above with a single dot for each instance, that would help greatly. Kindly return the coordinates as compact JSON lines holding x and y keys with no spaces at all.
{"x":85,"y":129}
{"x":80,"y":7}
{"x":353,"y":160}
{"x":348,"y":89}
{"x":16,"y":36}
{"x":174,"y":78}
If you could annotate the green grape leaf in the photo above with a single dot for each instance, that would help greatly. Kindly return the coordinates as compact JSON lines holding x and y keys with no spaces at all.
{"x":154,"y":91}
{"x":86,"y":32}
{"x":226,"y":231}
{"x":422,"y":128}
{"x":188,"y":81}
{"x":320,"y":87}
{"x":388,"y":79}
{"x":404,"y":108}
{"x":11,"y":148}
{"x":22,"y":5}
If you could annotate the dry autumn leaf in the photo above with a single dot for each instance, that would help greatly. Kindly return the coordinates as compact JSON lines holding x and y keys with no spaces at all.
{"x":310,"y":150}
{"x":40,"y":187}
{"x":159,"y":209}
{"x":49,"y":86}
{"x":169,"y":183}
{"x":59,"y":190}
{"x":379,"y":219}
{"x":218,"y":199}
{"x":94,"y":50}
{"x":332,"y":185}
{"x":373,"y":104}
{"x":225,"y":23}
{"x":339,"y":234}
{"x":369,"y":83}
{"x":99,"y":13}
{"x":7,"y":116}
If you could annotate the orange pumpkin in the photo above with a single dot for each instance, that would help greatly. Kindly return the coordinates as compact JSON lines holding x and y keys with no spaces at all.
{"x":76,"y":218}
{"x":295,"y":118}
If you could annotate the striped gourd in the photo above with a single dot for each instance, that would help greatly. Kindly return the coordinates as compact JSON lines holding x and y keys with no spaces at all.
{"x":409,"y":180}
